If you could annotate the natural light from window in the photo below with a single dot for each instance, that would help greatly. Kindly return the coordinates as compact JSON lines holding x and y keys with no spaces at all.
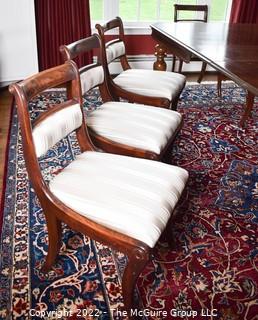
{"x":143,"y":11}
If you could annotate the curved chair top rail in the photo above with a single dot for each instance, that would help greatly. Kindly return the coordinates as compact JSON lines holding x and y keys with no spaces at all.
{"x":66,"y":75}
{"x":113,"y":44}
{"x":53,"y":77}
{"x":186,"y":7}
{"x":111,"y":24}
{"x":92,"y":74}
{"x":72,"y":50}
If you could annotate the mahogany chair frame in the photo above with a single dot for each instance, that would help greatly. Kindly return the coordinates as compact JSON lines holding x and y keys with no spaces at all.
{"x":55,"y":211}
{"x":195,"y":8}
{"x":80,"y":47}
{"x":117,"y":91}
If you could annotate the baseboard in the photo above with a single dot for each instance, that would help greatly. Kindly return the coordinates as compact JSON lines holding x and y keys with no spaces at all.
{"x":5,"y":84}
{"x":146,"y":62}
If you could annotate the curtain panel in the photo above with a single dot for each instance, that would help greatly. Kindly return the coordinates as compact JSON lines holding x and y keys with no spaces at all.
{"x":60,"y":22}
{"x":244,"y":11}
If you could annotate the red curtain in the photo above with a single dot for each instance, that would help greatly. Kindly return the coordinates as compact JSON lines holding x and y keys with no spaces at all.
{"x":244,"y":11}
{"x":60,"y":22}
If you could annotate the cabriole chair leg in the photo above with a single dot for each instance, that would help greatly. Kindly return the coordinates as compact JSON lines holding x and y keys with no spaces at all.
{"x":174,"y":103}
{"x":54,"y":228}
{"x":137,"y":261}
{"x":169,"y":234}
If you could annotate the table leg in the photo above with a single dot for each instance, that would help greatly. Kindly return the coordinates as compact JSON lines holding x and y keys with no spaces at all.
{"x":160,"y":54}
{"x":248,"y":108}
{"x":173,"y":63}
{"x":219,"y":83}
{"x":180,"y":66}
{"x":202,"y":73}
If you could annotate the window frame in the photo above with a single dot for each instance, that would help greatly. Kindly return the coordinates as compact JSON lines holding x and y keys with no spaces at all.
{"x":111,"y":10}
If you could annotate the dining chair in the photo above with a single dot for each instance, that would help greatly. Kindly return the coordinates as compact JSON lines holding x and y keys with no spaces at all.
{"x":118,"y":126}
{"x":202,"y":10}
{"x":123,"y":202}
{"x":156,"y":88}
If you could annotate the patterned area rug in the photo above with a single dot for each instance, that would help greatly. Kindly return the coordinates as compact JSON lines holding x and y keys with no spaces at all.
{"x":213,"y":271}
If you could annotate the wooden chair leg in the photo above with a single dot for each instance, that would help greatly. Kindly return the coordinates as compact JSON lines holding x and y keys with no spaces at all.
{"x":173,"y":63}
{"x":203,"y":70}
{"x":219,"y":82}
{"x":174,"y":103}
{"x":180,"y":66}
{"x":248,"y":108}
{"x":167,"y":157}
{"x":169,"y":234}
{"x":137,"y":261}
{"x":54,"y":241}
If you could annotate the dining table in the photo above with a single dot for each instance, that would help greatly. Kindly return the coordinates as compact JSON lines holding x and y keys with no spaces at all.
{"x":230,"y":48}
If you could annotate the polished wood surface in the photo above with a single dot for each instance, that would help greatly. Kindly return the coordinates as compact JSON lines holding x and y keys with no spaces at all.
{"x":231,"y":49}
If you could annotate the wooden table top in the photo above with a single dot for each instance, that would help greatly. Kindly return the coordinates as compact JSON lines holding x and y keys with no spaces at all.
{"x":229,"y":48}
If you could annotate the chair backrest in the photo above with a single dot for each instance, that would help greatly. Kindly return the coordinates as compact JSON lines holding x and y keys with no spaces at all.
{"x":193,"y":8}
{"x":56,"y":122}
{"x":115,"y":48}
{"x":92,"y":75}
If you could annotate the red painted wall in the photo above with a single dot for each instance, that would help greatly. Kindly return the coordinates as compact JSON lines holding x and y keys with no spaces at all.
{"x":138,"y":44}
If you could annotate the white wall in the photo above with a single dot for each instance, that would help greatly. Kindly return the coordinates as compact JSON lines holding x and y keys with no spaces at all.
{"x":18,"y":45}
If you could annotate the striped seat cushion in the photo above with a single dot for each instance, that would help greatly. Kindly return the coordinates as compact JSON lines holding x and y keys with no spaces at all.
{"x":135,"y":125}
{"x":133,"y":196}
{"x":151,"y":83}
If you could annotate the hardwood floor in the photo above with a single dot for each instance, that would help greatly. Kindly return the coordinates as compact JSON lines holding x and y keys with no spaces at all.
{"x":5,"y":111}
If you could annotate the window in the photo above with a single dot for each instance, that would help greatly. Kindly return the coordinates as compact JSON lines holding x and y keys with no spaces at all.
{"x":140,"y":13}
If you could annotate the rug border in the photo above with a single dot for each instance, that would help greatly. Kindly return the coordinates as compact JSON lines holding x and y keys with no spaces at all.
{"x":7,"y":162}
{"x":6,"y":157}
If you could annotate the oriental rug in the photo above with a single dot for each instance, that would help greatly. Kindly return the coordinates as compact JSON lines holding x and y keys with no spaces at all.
{"x":212,"y":273}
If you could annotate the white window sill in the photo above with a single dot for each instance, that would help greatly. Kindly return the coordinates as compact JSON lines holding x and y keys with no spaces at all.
{"x":129,"y":29}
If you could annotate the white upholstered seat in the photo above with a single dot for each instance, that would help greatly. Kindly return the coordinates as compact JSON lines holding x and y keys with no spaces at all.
{"x":152,"y":87}
{"x":133,"y":196}
{"x":126,"y":128}
{"x":135,"y":125}
{"x":151,"y":83}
